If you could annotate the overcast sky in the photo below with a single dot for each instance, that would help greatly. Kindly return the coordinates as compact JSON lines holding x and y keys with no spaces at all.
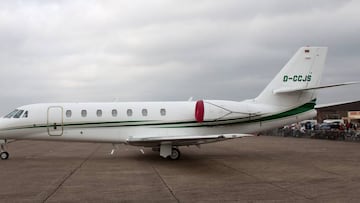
{"x":141,"y":50}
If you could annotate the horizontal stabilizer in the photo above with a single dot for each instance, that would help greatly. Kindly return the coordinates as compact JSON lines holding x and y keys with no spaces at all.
{"x":291,"y":90}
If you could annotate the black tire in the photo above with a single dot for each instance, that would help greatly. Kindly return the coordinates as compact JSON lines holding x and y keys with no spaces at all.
{"x":175,"y":154}
{"x":4,"y":155}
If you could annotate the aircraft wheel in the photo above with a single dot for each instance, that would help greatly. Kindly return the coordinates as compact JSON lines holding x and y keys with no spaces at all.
{"x":175,"y":154}
{"x":4,"y":155}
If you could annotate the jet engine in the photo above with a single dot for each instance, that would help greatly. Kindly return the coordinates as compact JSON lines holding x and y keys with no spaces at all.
{"x":221,"y":110}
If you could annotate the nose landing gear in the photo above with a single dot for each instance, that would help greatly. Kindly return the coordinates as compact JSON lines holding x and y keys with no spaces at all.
{"x":3,"y":153}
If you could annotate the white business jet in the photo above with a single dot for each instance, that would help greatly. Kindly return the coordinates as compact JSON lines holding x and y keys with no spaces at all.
{"x":165,"y":126}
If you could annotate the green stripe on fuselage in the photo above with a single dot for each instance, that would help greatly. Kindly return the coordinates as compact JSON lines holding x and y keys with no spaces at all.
{"x":185,"y":124}
{"x":301,"y":109}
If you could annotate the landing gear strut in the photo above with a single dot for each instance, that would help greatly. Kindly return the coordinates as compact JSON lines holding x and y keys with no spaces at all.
{"x":3,"y":153}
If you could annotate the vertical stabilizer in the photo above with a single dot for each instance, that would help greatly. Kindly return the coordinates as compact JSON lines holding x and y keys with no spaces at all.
{"x":303,"y":71}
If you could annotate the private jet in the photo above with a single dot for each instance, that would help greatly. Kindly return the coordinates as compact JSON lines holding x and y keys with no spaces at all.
{"x":166,"y":126}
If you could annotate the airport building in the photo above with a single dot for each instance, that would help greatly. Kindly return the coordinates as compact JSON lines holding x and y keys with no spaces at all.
{"x":346,"y":110}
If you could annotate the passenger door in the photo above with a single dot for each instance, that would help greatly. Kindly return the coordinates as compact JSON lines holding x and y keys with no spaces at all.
{"x":55,"y":121}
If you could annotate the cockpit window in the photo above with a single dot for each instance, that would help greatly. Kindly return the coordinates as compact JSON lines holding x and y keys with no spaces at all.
{"x":26,"y":114}
{"x":18,"y":114}
{"x":11,"y":114}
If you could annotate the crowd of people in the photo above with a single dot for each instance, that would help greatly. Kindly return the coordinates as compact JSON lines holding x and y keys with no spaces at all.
{"x":334,"y":130}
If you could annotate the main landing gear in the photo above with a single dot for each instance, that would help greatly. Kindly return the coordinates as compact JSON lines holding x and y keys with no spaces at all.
{"x":168,"y":151}
{"x":3,"y":153}
{"x":175,"y":154}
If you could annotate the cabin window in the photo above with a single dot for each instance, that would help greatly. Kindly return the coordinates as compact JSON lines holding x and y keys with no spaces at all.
{"x":26,"y":114}
{"x":68,"y":113}
{"x":83,"y":113}
{"x":99,"y":113}
{"x":144,"y":112}
{"x":129,"y":112}
{"x":11,"y":114}
{"x":18,"y":114}
{"x":114,"y":112}
{"x":163,"y":112}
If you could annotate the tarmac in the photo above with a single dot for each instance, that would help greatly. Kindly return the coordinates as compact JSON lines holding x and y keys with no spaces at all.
{"x":255,"y":169}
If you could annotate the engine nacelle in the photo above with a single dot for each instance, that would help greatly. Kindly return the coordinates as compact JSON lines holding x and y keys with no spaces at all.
{"x":221,"y":110}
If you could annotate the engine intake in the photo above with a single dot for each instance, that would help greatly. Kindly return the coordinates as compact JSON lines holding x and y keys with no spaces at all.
{"x":199,"y":111}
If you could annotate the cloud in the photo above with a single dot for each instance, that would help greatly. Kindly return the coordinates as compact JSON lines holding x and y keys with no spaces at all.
{"x":166,"y":50}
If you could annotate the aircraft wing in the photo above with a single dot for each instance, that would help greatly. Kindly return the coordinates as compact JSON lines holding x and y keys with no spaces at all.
{"x":182,"y":140}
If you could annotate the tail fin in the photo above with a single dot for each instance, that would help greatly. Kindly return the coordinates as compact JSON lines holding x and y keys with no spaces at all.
{"x":302,"y":72}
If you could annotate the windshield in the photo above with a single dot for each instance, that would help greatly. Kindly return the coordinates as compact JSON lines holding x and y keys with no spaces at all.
{"x":11,"y":114}
{"x":17,"y":114}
